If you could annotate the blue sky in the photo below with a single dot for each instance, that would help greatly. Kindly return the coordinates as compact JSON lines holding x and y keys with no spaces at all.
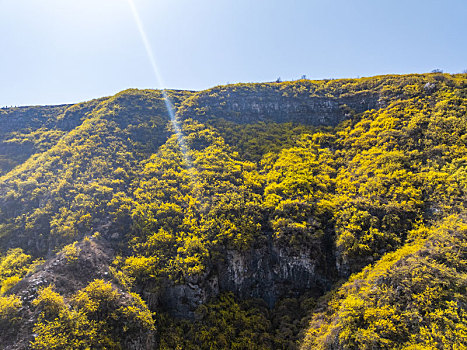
{"x":64,"y":51}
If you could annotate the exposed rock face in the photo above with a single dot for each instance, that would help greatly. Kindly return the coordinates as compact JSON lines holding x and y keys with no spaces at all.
{"x":270,"y":273}
{"x":270,"y":105}
{"x":181,"y":300}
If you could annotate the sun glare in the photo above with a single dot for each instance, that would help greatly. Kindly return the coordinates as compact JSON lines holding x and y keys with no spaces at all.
{"x":168,"y":103}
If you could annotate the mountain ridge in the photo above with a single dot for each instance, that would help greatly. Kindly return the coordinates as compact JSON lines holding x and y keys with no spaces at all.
{"x":290,"y":189}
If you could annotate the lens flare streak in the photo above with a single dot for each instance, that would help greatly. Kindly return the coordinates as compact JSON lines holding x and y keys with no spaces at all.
{"x":168,"y":103}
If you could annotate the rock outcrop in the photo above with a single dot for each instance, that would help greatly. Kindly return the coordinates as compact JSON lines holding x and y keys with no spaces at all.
{"x":270,"y":272}
{"x":269,"y":104}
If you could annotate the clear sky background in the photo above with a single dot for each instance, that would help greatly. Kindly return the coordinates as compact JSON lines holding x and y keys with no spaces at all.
{"x":64,"y":51}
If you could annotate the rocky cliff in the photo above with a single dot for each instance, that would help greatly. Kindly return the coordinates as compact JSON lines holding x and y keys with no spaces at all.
{"x":272,"y":103}
{"x":270,"y":272}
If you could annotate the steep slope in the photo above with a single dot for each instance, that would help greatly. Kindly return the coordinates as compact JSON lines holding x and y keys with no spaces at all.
{"x":278,"y":193}
{"x":58,"y":195}
{"x":412,"y":298}
{"x":25,"y":131}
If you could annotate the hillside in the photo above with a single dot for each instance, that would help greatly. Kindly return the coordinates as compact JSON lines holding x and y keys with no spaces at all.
{"x":307,"y":214}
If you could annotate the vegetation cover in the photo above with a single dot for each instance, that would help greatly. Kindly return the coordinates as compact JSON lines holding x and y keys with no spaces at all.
{"x":307,"y":214}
